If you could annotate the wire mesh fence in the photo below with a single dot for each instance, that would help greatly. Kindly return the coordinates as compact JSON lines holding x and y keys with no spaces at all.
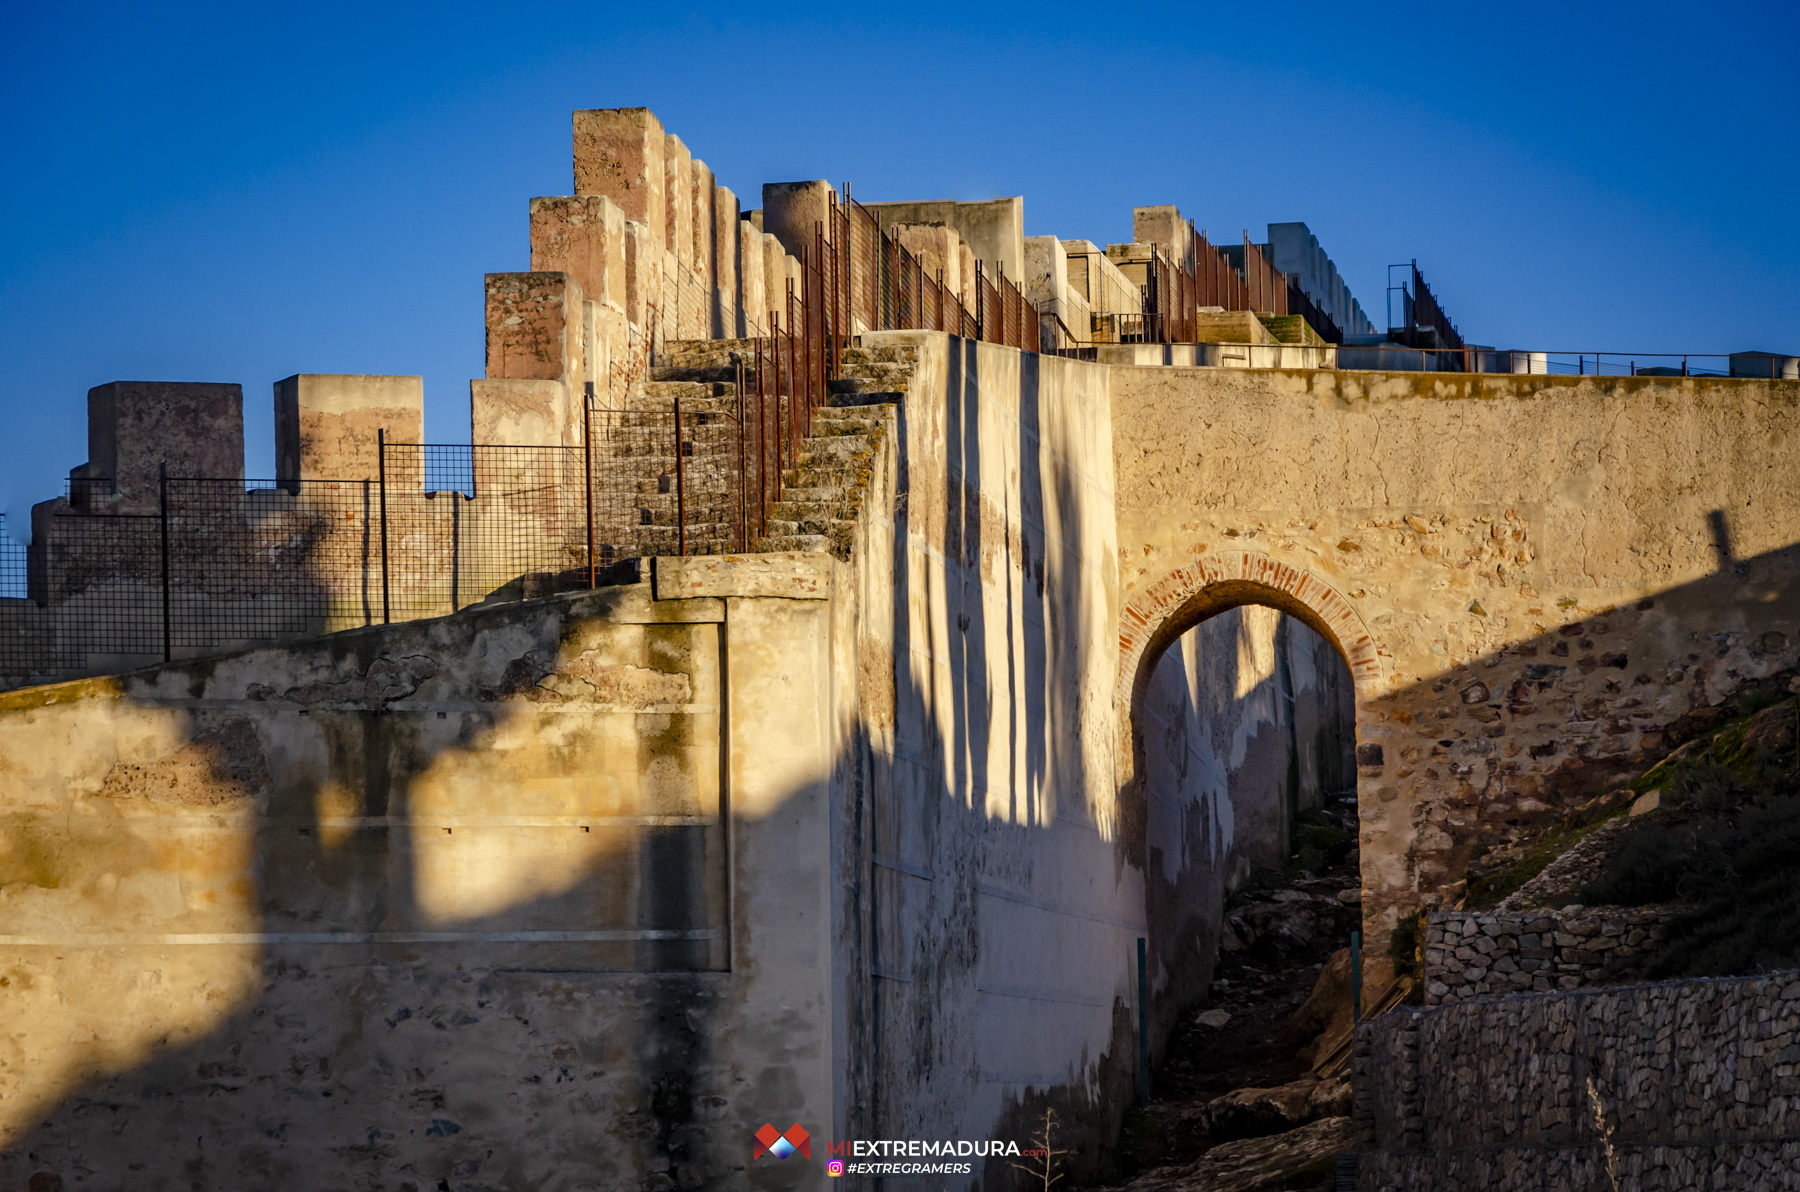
{"x":12,"y":564}
{"x":215,"y":565}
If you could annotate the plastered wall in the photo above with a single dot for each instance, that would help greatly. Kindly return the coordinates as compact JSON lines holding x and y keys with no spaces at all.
{"x":996,"y":874}
{"x":1538,"y":582}
{"x":443,"y":904}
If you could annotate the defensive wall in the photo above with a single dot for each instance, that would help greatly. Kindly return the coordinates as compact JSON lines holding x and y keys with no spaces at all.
{"x":1538,"y":582}
{"x":579,"y":891}
{"x":1689,"y":1085}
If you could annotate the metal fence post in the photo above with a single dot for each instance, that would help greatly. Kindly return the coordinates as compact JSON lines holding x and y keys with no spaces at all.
{"x":1143,"y":1025}
{"x":381,"y":476}
{"x":1356,"y":976}
{"x":162,"y":504}
{"x":680,"y":487}
{"x":587,"y":472}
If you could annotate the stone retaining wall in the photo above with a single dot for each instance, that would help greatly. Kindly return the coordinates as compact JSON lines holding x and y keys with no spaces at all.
{"x":1683,"y":1085}
{"x":1470,"y":954}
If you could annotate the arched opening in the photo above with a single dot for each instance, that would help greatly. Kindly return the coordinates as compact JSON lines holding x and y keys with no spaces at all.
{"x":1242,"y":780}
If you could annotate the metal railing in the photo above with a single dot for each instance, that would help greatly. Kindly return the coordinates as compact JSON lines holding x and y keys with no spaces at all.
{"x":1473,"y":359}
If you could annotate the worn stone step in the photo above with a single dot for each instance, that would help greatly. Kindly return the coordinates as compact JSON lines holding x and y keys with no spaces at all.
{"x":823,"y":527}
{"x":886,"y":354}
{"x":874,"y":376}
{"x":812,"y":543}
{"x":846,"y":401}
{"x":704,"y":373}
{"x":811,"y":494}
{"x":702,"y":353}
{"x":689,"y":390}
{"x":837,"y":509}
{"x":839,"y":450}
{"x":837,"y":428}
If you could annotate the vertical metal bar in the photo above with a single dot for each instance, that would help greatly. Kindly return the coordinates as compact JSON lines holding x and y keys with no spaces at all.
{"x":742,"y":539}
{"x":980,"y":296}
{"x":1356,"y":976}
{"x":381,"y":473}
{"x":456,"y":550}
{"x":762,"y":438}
{"x":680,"y":487}
{"x":587,"y":474}
{"x":162,"y":505}
{"x":1143,"y":1024}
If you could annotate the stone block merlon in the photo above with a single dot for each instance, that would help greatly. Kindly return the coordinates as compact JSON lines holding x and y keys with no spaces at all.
{"x":791,"y":209}
{"x":137,"y":427}
{"x":534,"y":327}
{"x":619,"y":155}
{"x":329,"y":426}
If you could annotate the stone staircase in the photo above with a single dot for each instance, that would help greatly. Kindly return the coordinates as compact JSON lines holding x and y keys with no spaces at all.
{"x":821,"y":495}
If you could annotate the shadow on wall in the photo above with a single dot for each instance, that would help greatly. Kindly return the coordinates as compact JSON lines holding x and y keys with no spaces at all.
{"x":983,"y":827}
{"x":1519,"y":739}
{"x":432,"y":906}
{"x":1515,"y":740}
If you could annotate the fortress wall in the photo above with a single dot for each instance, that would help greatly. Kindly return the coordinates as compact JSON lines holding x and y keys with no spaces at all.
{"x":1003,"y":899}
{"x":1558,"y":576}
{"x":474,"y":898}
{"x":994,"y":876}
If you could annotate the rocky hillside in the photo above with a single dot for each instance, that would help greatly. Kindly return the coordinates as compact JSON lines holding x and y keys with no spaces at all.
{"x":1252,"y":1092}
{"x":1710,"y":834}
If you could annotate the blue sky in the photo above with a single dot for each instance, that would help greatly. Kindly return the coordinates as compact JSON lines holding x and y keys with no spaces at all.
{"x":238,"y":193}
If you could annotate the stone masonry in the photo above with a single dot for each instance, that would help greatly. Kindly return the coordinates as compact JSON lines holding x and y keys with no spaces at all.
{"x":1469,"y":955}
{"x":1689,"y":1085}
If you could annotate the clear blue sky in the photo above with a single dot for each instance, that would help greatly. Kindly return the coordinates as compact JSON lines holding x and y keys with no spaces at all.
{"x":248,"y":191}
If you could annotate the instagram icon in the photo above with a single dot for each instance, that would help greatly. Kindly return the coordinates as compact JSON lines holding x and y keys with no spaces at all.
{"x":835,"y":1167}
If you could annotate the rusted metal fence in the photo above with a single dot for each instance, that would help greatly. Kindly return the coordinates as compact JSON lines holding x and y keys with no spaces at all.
{"x":221,"y":564}
{"x":890,"y":288}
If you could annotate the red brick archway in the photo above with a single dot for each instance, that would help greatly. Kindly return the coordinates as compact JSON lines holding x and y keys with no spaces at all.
{"x":1183,"y":598}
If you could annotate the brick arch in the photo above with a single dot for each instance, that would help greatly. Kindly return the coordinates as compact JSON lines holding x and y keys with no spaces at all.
{"x":1183,"y":598}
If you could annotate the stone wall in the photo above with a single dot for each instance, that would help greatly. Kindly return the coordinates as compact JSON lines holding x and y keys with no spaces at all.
{"x":1541,"y":583}
{"x":1680,"y":1086}
{"x":1471,"y":955}
{"x":514,"y":898}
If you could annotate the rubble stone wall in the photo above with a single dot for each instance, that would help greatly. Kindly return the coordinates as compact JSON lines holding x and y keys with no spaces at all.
{"x":1470,"y":955}
{"x":1682,"y":1085}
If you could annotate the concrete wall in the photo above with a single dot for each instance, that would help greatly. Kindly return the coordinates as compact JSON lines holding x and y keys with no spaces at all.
{"x":994,"y":229}
{"x":1295,"y":251}
{"x":1687,"y":1085}
{"x":989,"y":919}
{"x":1538,"y":582}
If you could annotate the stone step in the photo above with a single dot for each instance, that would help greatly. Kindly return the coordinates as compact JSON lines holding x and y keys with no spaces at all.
{"x":689,"y":390}
{"x":837,"y":428}
{"x":886,"y":354}
{"x":837,"y":509}
{"x":828,"y":449}
{"x":702,"y":353}
{"x":822,"y":527}
{"x":810,"y":494}
{"x":811,"y":543}
{"x":850,"y":401}
{"x":875,"y":376}
{"x":707,"y":373}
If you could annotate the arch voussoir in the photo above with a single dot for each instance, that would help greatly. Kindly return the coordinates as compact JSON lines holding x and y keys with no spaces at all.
{"x":1146,"y":616}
